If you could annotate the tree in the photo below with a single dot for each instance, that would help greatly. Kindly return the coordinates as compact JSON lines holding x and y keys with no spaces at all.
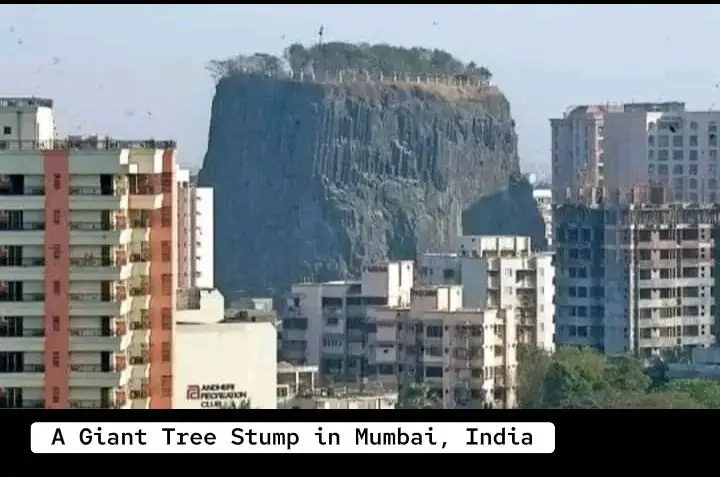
{"x":416,"y":396}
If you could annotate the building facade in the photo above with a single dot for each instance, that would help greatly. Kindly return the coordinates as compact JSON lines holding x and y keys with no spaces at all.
{"x":636,"y":276}
{"x":195,"y":233}
{"x":466,"y":357}
{"x":324,"y":323}
{"x":87,"y":266}
{"x":543,"y":197}
{"x":500,"y":272}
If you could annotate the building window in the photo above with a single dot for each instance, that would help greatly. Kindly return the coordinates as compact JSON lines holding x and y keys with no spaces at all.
{"x":166,"y":217}
{"x":166,"y":284}
{"x":56,"y":359}
{"x":166,"y":318}
{"x":166,"y":352}
{"x":7,"y":130}
{"x":693,"y":141}
{"x":56,"y":217}
{"x":693,"y":155}
{"x":56,"y":395}
{"x":56,"y":323}
{"x":693,"y":125}
{"x":166,"y":386}
{"x":57,"y":181}
{"x":56,"y":287}
{"x":57,"y":251}
{"x":166,"y":251}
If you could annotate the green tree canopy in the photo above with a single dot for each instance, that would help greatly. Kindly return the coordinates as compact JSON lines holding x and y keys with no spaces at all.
{"x":584,"y":379}
{"x":335,"y":57}
{"x":416,"y":396}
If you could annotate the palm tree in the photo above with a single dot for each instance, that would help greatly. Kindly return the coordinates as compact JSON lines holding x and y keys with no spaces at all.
{"x":416,"y":396}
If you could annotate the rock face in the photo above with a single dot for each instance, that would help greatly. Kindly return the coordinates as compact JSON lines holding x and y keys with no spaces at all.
{"x":312,"y":181}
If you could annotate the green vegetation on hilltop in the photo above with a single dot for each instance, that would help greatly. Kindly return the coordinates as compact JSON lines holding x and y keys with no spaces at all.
{"x":584,"y":379}
{"x":336,"y":57}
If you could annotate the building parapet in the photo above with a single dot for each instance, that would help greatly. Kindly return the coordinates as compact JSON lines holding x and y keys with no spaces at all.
{"x":88,"y":143}
{"x":10,"y":102}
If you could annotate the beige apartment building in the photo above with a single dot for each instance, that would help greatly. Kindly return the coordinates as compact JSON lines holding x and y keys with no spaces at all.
{"x":467,"y":357}
{"x":324,"y":323}
{"x":87,"y":266}
{"x":636,"y":273}
{"x":500,"y":272}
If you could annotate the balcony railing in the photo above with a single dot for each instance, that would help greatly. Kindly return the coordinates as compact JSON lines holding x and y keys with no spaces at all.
{"x":29,"y":297}
{"x":23,"y":262}
{"x":141,"y":223}
{"x":92,"y":262}
{"x":90,"y":332}
{"x":91,"y":143}
{"x":140,"y":257}
{"x":90,"y":297}
{"x":81,"y":225}
{"x":4,"y":225}
{"x":119,"y":190}
{"x":140,"y":291}
{"x":87,"y":404}
{"x":28,"y":368}
{"x":89,"y":368}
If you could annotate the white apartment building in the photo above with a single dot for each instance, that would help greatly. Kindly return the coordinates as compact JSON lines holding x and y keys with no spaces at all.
{"x":500,"y":272}
{"x":678,"y":149}
{"x":543,"y":197}
{"x":195,"y":233}
{"x":324,"y":324}
{"x":467,"y":357}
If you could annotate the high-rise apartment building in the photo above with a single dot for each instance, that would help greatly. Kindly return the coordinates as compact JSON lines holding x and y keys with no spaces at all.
{"x":195,"y":233}
{"x":87,"y":266}
{"x":466,"y":357}
{"x":636,"y":275}
{"x":498,"y":272}
{"x":325,"y":323}
{"x":543,"y":198}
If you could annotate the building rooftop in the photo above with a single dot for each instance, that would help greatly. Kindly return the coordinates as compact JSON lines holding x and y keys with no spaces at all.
{"x":24,"y":102}
{"x":89,"y":143}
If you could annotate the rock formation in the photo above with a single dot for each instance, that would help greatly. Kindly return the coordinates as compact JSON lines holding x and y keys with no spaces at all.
{"x":315,"y":179}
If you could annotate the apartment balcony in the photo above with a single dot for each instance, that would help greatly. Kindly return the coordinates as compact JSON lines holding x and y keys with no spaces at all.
{"x":33,"y":198}
{"x":96,"y":304}
{"x":93,"y":198}
{"x":97,"y":269}
{"x":98,"y":340}
{"x":26,"y":269}
{"x":27,"y":304}
{"x":140,"y":297}
{"x":93,"y":376}
{"x":26,"y":233}
{"x":99,"y":234}
{"x":145,"y":198}
{"x":140,"y":264}
{"x":30,"y":376}
{"x":87,"y":404}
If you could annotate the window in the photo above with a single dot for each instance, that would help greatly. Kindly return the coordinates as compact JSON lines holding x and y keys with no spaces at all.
{"x":651,"y":155}
{"x":677,"y":155}
{"x":3,"y":145}
{"x":166,"y":318}
{"x":677,"y":169}
{"x":56,"y":251}
{"x":56,"y":359}
{"x":651,"y":141}
{"x":56,"y":395}
{"x":56,"y":217}
{"x":7,"y":130}
{"x":677,"y":141}
{"x":56,"y":323}
{"x":693,"y":155}
{"x":663,"y":169}
{"x":693,"y":125}
{"x":166,"y":284}
{"x":57,"y":181}
{"x":166,"y":217}
{"x":166,"y":352}
{"x":663,"y":155}
{"x":693,"y":141}
{"x":165,"y":251}
{"x":166,"y":386}
{"x":693,"y":184}
{"x":663,"y":141}
{"x":693,"y":169}
{"x":713,"y":154}
{"x":56,"y":287}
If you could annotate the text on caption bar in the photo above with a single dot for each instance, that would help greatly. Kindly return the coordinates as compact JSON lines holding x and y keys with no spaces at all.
{"x":292,"y":437}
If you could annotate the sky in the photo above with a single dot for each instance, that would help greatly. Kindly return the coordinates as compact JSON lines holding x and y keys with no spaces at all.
{"x":138,"y":70}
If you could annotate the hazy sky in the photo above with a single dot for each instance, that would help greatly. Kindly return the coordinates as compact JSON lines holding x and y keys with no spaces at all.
{"x":108,"y":66}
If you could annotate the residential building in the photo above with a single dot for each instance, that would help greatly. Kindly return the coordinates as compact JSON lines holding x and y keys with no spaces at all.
{"x":704,"y":363}
{"x":324,"y":323}
{"x":225,"y":363}
{"x":87,"y":266}
{"x":297,"y":390}
{"x":467,"y":357}
{"x":636,"y":274}
{"x":543,"y":197}
{"x":195,"y":233}
{"x":500,"y":272}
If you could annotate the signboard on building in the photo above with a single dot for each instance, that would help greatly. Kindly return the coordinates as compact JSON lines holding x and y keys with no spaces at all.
{"x":216,"y":396}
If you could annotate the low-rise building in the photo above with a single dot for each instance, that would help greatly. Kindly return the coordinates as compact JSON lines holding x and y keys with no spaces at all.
{"x":297,"y":390}
{"x":466,"y":357}
{"x":222,"y":362}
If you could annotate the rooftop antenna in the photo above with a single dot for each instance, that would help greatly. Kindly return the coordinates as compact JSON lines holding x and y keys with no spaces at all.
{"x":320,"y":51}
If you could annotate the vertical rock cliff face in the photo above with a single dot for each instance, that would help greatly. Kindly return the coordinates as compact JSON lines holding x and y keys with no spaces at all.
{"x":314,"y":180}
